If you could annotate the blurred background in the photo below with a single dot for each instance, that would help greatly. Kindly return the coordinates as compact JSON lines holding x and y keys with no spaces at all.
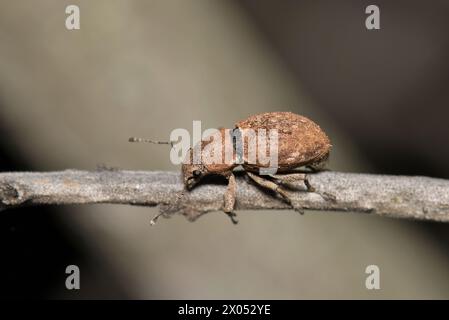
{"x":70,"y":99}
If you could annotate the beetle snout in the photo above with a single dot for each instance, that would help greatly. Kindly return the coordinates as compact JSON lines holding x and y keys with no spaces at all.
{"x":190,"y":183}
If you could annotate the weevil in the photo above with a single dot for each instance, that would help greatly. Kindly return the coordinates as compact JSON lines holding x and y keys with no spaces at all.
{"x":301,"y":143}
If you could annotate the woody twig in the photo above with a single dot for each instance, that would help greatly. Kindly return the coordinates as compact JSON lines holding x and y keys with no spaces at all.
{"x":385,"y":195}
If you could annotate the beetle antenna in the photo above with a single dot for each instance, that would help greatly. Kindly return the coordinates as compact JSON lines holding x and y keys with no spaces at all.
{"x":135,"y":139}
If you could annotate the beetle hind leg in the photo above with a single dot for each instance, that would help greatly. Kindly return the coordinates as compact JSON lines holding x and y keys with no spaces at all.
{"x":268,"y":184}
{"x":289,"y":178}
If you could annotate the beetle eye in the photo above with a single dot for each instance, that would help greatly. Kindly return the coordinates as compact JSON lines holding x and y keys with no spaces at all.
{"x":196,"y":173}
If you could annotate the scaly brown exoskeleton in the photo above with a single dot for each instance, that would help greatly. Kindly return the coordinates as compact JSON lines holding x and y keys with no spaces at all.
{"x":300,"y":143}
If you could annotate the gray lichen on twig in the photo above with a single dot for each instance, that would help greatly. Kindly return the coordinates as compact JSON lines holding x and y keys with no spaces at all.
{"x":394,"y":196}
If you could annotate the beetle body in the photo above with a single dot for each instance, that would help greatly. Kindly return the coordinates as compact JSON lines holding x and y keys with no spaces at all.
{"x":301,"y":142}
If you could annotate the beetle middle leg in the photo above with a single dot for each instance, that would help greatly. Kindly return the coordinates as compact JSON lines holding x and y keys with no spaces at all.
{"x":229,"y":199}
{"x":268,"y":184}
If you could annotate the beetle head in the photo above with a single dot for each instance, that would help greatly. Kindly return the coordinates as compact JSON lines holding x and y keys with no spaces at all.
{"x":192,"y":174}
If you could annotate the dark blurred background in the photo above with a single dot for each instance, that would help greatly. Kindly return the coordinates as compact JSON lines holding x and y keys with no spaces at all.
{"x":70,"y":99}
{"x":386,"y":88}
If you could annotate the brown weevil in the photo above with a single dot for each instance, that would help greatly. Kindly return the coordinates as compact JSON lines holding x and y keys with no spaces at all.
{"x":300,"y":143}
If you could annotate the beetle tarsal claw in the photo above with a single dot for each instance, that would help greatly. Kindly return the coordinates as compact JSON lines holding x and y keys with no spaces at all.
{"x":310,"y":188}
{"x":298,"y":209}
{"x":328,"y":196}
{"x":232,"y":216}
{"x":154,"y":220}
{"x":325,"y":195}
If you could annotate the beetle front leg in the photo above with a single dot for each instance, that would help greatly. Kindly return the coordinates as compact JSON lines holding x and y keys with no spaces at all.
{"x":229,"y":199}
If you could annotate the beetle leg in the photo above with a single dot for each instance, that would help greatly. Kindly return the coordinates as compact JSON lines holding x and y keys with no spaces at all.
{"x":294,"y":177}
{"x":229,"y":199}
{"x":265,"y":183}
